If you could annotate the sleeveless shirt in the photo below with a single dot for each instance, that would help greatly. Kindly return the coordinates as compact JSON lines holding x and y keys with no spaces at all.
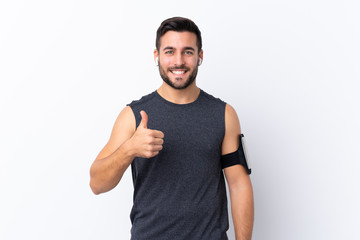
{"x":180,"y":193}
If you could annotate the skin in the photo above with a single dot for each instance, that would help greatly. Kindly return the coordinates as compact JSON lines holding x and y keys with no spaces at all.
{"x":178,"y":51}
{"x":175,"y":57}
{"x":240,"y":187}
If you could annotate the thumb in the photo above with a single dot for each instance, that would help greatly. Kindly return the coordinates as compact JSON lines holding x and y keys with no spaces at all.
{"x":144,"y":119}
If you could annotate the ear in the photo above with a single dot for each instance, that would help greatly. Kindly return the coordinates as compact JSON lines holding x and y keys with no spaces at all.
{"x":201,"y":57}
{"x":156,"y":57}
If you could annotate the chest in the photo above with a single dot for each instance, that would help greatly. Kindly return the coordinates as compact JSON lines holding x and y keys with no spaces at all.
{"x":196,"y":130}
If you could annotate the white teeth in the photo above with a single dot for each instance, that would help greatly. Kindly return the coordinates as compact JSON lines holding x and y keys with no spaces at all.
{"x":178,"y":72}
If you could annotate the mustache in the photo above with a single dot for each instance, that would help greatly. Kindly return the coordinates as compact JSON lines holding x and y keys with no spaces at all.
{"x":180,"y":67}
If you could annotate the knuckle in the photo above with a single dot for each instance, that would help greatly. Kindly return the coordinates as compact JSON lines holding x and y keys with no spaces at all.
{"x":149,"y":140}
{"x":147,"y":132}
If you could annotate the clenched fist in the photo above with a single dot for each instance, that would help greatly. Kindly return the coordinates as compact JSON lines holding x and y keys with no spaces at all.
{"x":146,"y":142}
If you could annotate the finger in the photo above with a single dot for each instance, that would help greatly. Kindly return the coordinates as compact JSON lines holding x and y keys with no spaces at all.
{"x":157,"y":134}
{"x":144,"y":119}
{"x":155,"y":153}
{"x":151,"y":154}
{"x":156,"y":148}
{"x":157,"y":141}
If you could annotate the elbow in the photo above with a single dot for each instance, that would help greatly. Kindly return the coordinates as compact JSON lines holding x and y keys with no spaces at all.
{"x":101,"y":182}
{"x":93,"y":188}
{"x":96,"y":190}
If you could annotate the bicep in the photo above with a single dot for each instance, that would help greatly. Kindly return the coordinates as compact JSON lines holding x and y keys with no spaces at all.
{"x":123,"y":129}
{"x":236,"y":173}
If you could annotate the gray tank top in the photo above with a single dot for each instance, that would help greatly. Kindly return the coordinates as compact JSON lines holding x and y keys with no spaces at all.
{"x":180,"y":193}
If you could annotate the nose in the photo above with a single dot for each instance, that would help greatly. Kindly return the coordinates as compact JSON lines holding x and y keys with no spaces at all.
{"x":178,"y":59}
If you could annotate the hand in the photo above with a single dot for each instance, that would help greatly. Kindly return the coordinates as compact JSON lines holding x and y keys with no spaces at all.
{"x":146,"y":142}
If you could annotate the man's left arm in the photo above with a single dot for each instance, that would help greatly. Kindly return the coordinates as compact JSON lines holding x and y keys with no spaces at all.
{"x":241,"y":193}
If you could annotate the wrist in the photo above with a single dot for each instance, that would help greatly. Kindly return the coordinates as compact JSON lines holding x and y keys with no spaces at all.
{"x":128,"y":149}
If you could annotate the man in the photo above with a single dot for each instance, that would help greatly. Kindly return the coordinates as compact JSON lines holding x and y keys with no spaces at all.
{"x":179,"y":140}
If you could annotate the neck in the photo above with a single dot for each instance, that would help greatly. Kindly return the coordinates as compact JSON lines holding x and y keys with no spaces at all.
{"x":179,"y":96}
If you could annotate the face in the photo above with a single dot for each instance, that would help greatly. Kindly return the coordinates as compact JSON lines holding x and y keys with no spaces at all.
{"x":178,"y":58}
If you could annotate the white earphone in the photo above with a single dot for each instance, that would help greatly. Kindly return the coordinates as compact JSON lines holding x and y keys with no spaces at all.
{"x":200,"y":61}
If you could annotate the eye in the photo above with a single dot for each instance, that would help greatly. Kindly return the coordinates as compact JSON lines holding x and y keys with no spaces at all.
{"x":188,"y":52}
{"x":169,"y":52}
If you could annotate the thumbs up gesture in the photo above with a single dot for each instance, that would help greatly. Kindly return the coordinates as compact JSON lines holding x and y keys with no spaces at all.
{"x":144,"y":119}
{"x":146,"y":142}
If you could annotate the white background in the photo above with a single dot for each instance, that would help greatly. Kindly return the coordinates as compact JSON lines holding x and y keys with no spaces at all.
{"x":289,"y":68}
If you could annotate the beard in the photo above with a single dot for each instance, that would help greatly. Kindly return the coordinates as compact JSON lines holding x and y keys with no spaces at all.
{"x":188,"y":81}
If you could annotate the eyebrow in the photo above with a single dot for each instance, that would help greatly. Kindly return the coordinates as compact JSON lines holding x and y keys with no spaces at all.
{"x":185,"y":48}
{"x":167,"y":48}
{"x":189,"y":48}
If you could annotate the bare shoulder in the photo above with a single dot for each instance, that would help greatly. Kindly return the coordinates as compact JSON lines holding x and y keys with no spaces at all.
{"x":232,"y":130}
{"x":124,"y":127}
{"x":125,"y":120}
{"x":231,"y":119}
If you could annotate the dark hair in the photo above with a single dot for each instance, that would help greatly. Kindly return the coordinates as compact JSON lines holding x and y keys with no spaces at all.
{"x":178,"y":24}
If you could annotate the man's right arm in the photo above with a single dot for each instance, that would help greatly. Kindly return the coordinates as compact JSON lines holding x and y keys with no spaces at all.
{"x":124,"y":145}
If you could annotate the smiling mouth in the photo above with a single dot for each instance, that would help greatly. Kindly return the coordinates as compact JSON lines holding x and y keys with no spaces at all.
{"x":178,"y":72}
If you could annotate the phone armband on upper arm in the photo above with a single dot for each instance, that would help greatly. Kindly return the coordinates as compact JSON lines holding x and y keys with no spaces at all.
{"x":238,"y":157}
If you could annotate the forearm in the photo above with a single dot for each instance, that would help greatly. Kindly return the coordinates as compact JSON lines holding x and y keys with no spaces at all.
{"x":242,"y":209}
{"x":106,"y":173}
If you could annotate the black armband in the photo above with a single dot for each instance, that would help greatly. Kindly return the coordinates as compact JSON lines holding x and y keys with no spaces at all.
{"x":237,"y":157}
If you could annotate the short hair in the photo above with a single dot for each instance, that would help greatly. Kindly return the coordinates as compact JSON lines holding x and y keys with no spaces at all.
{"x":178,"y":24}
